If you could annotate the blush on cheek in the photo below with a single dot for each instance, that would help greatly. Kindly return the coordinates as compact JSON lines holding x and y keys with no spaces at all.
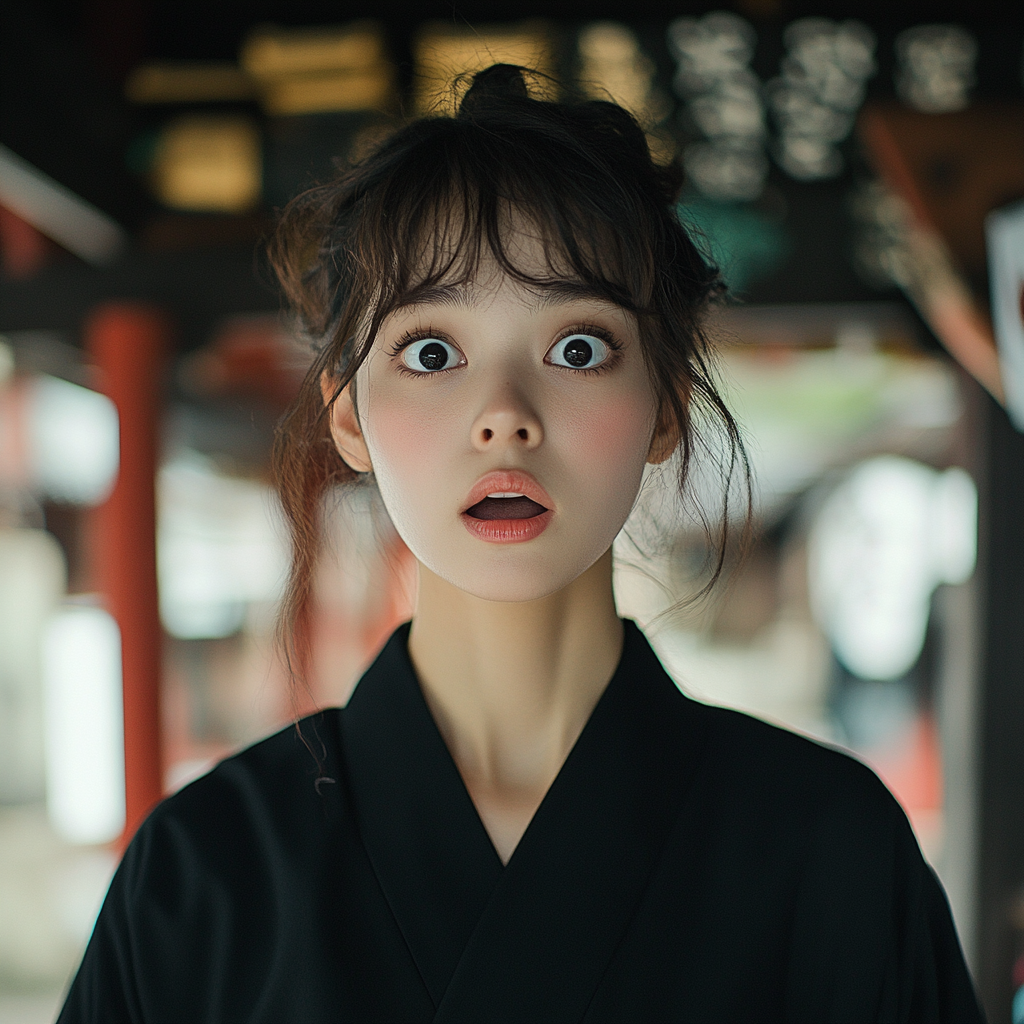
{"x":613,"y":435}
{"x":397,"y":436}
{"x":406,"y":444}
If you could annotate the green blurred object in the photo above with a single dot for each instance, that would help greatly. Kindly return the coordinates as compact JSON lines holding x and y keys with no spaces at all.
{"x":747,"y":244}
{"x":141,"y":152}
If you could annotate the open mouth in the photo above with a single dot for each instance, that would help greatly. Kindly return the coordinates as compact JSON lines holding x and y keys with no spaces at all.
{"x":506,"y":506}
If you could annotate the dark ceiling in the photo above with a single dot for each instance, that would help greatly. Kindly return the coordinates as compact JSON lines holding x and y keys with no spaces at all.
{"x":63,"y":65}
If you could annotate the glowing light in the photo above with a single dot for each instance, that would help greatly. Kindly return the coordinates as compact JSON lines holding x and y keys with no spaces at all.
{"x":711,"y":50}
{"x":218,"y":549}
{"x":614,"y":66}
{"x":73,"y":441}
{"x":935,"y":67}
{"x":329,"y":93}
{"x":447,"y":57}
{"x":316,"y":70}
{"x":276,"y":53}
{"x":724,"y":102}
{"x":815,"y":98}
{"x":208,"y":162}
{"x":84,"y":725}
{"x":188,"y":82}
{"x":885,"y":538}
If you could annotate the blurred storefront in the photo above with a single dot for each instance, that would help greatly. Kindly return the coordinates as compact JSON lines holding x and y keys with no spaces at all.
{"x":842,"y":170}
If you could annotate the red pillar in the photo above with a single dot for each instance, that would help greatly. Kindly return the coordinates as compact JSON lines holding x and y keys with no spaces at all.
{"x":127,"y":343}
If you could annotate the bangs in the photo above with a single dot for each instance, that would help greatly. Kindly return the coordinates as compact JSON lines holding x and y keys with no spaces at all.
{"x":464,"y":196}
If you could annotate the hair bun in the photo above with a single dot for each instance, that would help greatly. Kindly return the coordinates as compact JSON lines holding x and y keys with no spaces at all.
{"x":494,"y":87}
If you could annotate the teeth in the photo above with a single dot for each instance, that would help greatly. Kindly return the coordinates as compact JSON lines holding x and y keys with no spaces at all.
{"x":506,"y":494}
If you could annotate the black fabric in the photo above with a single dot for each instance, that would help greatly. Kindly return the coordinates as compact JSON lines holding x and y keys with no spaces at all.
{"x":688,"y":864}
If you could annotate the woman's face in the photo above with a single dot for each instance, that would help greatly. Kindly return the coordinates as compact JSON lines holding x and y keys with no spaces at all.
{"x":508,"y":430}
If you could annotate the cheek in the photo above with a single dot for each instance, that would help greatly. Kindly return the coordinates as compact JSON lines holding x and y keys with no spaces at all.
{"x":611,"y":438}
{"x":405,"y":441}
{"x":396,"y":437}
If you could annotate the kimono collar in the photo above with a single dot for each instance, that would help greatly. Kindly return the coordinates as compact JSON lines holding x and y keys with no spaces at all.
{"x":530,"y":940}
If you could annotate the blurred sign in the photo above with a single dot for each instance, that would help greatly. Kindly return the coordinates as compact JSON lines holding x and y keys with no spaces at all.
{"x":724,"y":101}
{"x":1005,"y":231}
{"x":318,"y":70}
{"x":935,"y":67}
{"x":191,"y":81}
{"x":816,"y":96}
{"x":208,"y":162}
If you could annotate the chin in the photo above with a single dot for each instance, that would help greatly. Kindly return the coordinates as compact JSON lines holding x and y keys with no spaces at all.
{"x":512,"y":580}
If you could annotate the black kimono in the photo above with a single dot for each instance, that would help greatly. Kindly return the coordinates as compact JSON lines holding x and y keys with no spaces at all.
{"x":688,"y":864}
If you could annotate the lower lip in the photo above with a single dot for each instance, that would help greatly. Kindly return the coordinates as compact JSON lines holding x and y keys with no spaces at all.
{"x":508,"y":531}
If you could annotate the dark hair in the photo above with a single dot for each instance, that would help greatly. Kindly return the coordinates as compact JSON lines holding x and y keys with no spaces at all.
{"x":425,"y":207}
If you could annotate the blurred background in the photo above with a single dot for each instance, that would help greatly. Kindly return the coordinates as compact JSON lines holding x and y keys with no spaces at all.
{"x":858,"y":172}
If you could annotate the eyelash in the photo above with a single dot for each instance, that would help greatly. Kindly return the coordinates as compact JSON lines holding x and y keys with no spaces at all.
{"x":411,"y":337}
{"x":602,"y":335}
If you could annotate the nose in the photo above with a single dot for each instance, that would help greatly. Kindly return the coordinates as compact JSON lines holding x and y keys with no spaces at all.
{"x":506,"y":420}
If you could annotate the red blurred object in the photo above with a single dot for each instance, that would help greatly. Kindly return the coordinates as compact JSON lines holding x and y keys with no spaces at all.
{"x":24,"y":250}
{"x":914,"y":771}
{"x":950,"y":170}
{"x":346,"y":631}
{"x":911,"y":766}
{"x":1018,"y":971}
{"x":127,"y":342}
{"x":249,"y":357}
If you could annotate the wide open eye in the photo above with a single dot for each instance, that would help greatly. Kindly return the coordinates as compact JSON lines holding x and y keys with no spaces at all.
{"x":579,"y":352}
{"x":428,"y":355}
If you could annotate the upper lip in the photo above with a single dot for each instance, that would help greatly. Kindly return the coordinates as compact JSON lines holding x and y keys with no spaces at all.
{"x":515,"y":480}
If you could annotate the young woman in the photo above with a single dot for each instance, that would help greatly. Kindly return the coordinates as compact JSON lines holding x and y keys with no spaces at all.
{"x":518,"y":816}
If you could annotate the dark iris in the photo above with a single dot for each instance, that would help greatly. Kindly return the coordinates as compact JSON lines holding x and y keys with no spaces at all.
{"x":578,"y":352}
{"x":433,"y":356}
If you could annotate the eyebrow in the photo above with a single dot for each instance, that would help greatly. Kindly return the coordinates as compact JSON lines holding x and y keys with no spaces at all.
{"x":460,"y":295}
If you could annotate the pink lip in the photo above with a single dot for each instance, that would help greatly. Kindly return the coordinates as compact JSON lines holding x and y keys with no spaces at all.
{"x":507,"y":531}
{"x":508,"y":480}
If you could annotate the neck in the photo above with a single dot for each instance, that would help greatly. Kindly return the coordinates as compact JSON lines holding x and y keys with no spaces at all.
{"x":511,"y":685}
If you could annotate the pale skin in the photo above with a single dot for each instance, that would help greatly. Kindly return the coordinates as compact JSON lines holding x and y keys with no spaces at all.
{"x":513,"y":643}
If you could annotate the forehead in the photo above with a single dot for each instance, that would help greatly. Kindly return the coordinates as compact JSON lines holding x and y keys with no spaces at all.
{"x":472,"y":294}
{"x":463,"y":269}
{"x":460,"y":244}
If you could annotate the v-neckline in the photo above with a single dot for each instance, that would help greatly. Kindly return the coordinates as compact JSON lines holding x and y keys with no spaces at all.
{"x":432,"y":855}
{"x":579,"y":866}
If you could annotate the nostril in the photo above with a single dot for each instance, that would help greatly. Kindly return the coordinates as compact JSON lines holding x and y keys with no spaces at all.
{"x":523,"y":433}
{"x":488,"y":433}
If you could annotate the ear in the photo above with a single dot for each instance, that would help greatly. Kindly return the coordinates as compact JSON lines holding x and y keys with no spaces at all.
{"x":666,"y":438}
{"x":345,"y":429}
